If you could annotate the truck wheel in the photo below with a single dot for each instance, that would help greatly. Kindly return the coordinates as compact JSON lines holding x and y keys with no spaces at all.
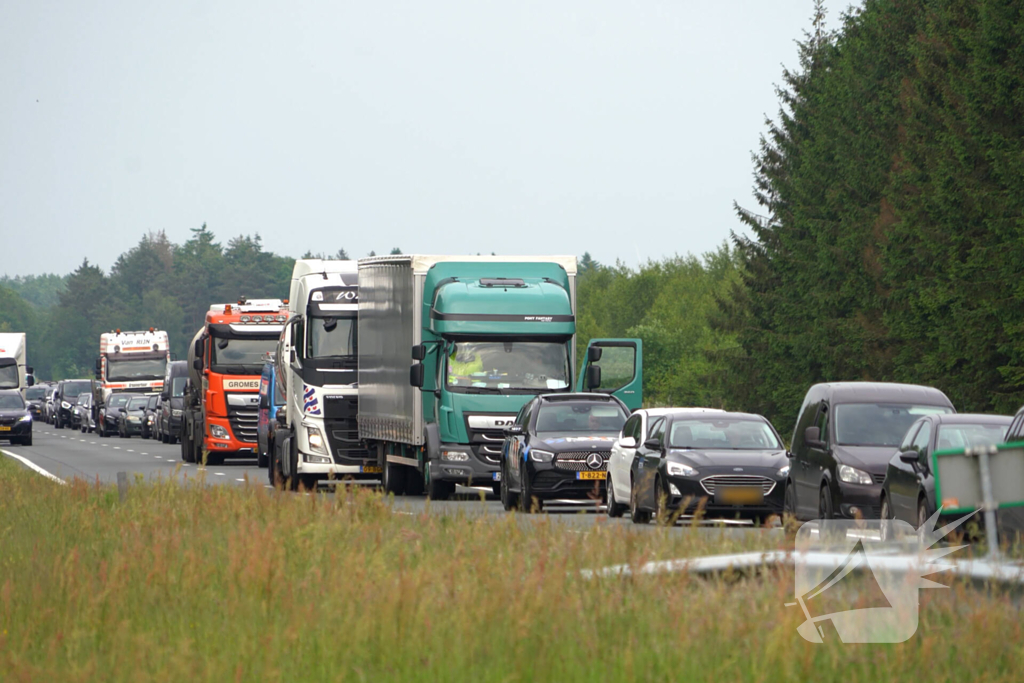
{"x":393,"y":478}
{"x":261,"y":457}
{"x":438,"y":489}
{"x":186,"y":446}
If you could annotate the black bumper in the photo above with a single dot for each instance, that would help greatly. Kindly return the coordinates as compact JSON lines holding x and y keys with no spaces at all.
{"x":16,"y":430}
{"x":547,"y":482}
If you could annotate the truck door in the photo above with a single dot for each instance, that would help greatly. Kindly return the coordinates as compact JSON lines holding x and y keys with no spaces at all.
{"x":619,"y":365}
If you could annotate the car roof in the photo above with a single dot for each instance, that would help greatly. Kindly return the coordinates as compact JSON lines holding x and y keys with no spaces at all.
{"x":722,"y":414}
{"x":852,"y":392}
{"x":656,"y":412}
{"x":971,"y":418}
{"x":578,"y":396}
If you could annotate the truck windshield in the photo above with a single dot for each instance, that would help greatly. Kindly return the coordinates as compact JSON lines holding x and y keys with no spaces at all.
{"x":486,"y":366}
{"x":136,"y":370}
{"x":240,"y":356}
{"x":878,"y":424}
{"x":331,"y":337}
{"x":178,"y":386}
{"x":9,"y":377}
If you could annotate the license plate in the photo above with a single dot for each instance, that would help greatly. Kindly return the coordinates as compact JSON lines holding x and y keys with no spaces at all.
{"x":371,"y":469}
{"x":591,"y":475}
{"x":5,"y":429}
{"x":496,"y":476}
{"x":739,"y":495}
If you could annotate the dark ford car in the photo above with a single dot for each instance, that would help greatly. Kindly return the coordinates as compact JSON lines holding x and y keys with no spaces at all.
{"x":727,"y":464}
{"x":81,"y":414}
{"x":129,"y":422}
{"x":66,"y":397}
{"x":36,"y":397}
{"x":149,"y":416}
{"x":15,"y":419}
{"x":558,"y":448}
{"x":844,"y":438}
{"x":908,"y":492}
{"x":110,"y":414}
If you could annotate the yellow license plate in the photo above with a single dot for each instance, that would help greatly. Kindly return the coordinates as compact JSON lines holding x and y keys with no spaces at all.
{"x":591,"y":475}
{"x":371,"y":469}
{"x":5,"y":429}
{"x":739,"y":495}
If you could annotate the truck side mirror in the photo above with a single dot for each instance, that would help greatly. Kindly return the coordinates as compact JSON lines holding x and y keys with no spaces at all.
{"x":594,"y":354}
{"x":199,"y":349}
{"x":282,"y":416}
{"x":419,"y":352}
{"x":593,"y":376}
{"x":812,"y":436}
{"x":30,"y":380}
{"x":197,"y":365}
{"x":416,"y":375}
{"x":99,"y":364}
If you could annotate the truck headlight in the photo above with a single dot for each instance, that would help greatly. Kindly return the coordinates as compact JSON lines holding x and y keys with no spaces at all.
{"x":538,"y":455}
{"x":678,"y":469}
{"x":851,"y":475}
{"x":454,"y":456}
{"x":218,"y":432}
{"x":316,"y":440}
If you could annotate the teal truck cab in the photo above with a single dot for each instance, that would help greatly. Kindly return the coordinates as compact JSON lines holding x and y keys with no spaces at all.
{"x":451,"y":347}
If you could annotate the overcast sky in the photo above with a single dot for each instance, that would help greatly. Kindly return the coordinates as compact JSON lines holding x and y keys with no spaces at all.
{"x":441,"y":126}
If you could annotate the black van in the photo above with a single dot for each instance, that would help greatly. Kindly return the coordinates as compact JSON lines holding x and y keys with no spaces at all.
{"x":168,"y":416}
{"x":844,"y":437}
{"x":65,"y":398}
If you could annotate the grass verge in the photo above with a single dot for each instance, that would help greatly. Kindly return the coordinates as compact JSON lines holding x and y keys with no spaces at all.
{"x":221,"y":583}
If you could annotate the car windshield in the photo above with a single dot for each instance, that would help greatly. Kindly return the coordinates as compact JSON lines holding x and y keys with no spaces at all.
{"x":73,"y":389}
{"x":332,"y":337}
{"x":878,"y":424}
{"x":240,"y":356}
{"x":178,"y":386}
{"x":723,"y":434}
{"x":152,"y":402}
{"x":35,"y":393}
{"x":137,"y":403}
{"x":593,"y":418}
{"x":136,"y":370}
{"x":118,"y":400}
{"x":481,"y":367}
{"x":970,"y":435}
{"x":83,"y":399}
{"x":11,"y":402}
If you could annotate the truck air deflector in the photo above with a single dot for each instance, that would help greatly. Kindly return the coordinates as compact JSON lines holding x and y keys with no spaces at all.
{"x":504,"y":318}
{"x":245,"y":331}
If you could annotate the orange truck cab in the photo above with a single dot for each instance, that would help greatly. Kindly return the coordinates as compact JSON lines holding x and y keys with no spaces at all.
{"x":227,"y":355}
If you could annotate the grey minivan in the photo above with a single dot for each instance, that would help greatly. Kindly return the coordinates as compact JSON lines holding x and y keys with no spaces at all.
{"x":844,"y":437}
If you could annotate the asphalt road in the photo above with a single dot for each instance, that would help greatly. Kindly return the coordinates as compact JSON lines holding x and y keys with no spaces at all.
{"x":66,"y":454}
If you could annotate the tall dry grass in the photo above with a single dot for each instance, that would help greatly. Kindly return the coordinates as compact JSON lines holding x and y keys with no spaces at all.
{"x":218,"y":583}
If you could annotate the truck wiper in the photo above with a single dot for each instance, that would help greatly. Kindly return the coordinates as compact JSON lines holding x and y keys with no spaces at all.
{"x":484,"y":390}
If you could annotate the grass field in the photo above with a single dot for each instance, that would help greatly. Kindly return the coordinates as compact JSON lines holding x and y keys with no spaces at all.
{"x":216,"y":583}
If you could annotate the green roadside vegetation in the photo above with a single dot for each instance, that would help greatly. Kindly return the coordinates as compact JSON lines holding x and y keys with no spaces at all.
{"x":217,"y":583}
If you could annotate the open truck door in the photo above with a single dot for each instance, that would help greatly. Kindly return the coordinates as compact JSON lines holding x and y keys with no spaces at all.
{"x":616,"y":367}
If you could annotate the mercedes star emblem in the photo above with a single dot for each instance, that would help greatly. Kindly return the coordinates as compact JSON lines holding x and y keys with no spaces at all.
{"x":594,"y":461}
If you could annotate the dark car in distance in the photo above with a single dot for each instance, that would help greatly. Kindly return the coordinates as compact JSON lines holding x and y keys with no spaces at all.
{"x":726,"y":464}
{"x":81,"y":414}
{"x":172,"y":399}
{"x":843,"y":440}
{"x":109,"y":416}
{"x":35,"y":396}
{"x":558,"y":448}
{"x":15,"y":418}
{"x":65,"y":398}
{"x":908,"y":492}
{"x":129,"y":421}
{"x":149,"y":416}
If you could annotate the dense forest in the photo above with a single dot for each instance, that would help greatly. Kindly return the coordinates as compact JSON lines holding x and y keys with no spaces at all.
{"x":887,"y":244}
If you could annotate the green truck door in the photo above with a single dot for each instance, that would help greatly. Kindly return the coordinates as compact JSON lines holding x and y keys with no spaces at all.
{"x":622,"y":369}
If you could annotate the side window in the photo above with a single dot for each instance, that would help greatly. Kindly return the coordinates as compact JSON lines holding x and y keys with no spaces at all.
{"x":909,"y":438}
{"x":657,"y":429}
{"x":807,"y":414}
{"x":638,"y":428}
{"x":630,"y":427}
{"x":921,"y":440}
{"x":821,"y":422}
{"x":1013,"y":433}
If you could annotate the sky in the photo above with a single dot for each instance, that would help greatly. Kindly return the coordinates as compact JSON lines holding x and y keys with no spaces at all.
{"x":520,"y":127}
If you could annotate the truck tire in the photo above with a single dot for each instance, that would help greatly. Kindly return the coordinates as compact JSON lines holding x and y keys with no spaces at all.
{"x":394,"y":477}
{"x":438,"y":489}
{"x":187,"y":453}
{"x":261,"y":456}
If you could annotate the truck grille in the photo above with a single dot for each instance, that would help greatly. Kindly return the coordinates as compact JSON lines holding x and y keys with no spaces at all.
{"x":709,"y":483}
{"x":343,"y":440}
{"x":576,"y":461}
{"x":487,"y":442}
{"x":243,"y":423}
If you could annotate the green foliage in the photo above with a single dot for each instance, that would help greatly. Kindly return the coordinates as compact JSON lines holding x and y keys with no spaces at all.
{"x":42,"y":291}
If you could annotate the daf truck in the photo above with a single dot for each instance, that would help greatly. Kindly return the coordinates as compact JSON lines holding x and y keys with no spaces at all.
{"x":319,"y":438}
{"x":14,"y":373}
{"x":227,"y":354}
{"x":451,"y":347}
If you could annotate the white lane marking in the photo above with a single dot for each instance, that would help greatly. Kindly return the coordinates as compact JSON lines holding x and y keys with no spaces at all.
{"x":158,"y":457}
{"x":267,"y":486}
{"x":130,"y":450}
{"x":117,"y":448}
{"x":239,"y":479}
{"x":219,"y":474}
{"x":403,"y":512}
{"x":82,"y":440}
{"x":36,"y":467}
{"x":144,"y":454}
{"x":93,"y":443}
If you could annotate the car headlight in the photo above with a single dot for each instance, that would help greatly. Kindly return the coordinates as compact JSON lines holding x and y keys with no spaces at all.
{"x":176,"y":413}
{"x":538,"y":455}
{"x":851,"y":475}
{"x":454,"y":456}
{"x":218,"y":432}
{"x":65,"y":405}
{"x":783,"y":472}
{"x":316,"y":440}
{"x":25,"y":418}
{"x":678,"y":469}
